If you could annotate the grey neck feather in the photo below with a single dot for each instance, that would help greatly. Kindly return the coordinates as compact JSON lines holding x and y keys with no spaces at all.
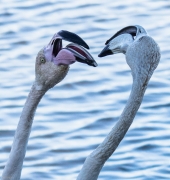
{"x":95,"y":161}
{"x":13,"y":168}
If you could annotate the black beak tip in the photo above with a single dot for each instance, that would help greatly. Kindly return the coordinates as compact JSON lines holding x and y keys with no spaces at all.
{"x":106,"y":42}
{"x":72,"y":37}
{"x":86,"y":46}
{"x":91,"y":63}
{"x":105,"y":52}
{"x":95,"y":64}
{"x":100,"y":55}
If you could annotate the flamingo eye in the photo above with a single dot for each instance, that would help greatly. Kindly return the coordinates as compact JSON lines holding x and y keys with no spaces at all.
{"x":42,"y":60}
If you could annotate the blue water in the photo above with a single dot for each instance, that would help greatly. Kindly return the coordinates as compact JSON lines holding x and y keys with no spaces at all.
{"x":76,"y":115}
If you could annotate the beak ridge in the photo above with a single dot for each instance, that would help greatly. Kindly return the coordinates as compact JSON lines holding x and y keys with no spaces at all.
{"x":72,"y":37}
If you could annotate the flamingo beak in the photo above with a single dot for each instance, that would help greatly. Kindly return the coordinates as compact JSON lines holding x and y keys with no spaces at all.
{"x":81,"y":54}
{"x":76,"y":47}
{"x":72,"y":37}
{"x":105,"y":52}
{"x":119,"y":42}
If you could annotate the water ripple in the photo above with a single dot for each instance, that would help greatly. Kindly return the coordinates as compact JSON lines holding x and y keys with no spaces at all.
{"x":74,"y":117}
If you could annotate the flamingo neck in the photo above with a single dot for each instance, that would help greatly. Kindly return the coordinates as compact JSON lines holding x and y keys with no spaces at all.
{"x":13,"y":168}
{"x":95,"y":161}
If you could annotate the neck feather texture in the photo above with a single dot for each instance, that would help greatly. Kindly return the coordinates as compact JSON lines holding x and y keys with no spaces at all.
{"x":13,"y":168}
{"x":95,"y":161}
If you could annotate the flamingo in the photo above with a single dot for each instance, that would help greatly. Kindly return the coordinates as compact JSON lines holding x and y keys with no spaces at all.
{"x":142,"y":55}
{"x":52,"y":65}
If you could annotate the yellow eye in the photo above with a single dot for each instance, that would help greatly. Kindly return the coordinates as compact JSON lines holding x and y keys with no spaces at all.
{"x":42,"y":60}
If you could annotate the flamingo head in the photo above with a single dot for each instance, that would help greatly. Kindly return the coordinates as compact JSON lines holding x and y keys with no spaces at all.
{"x":52,"y":62}
{"x":142,"y":52}
{"x":121,"y":40}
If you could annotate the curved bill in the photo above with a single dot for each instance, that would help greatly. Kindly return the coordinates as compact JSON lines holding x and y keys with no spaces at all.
{"x":81,"y":54}
{"x":129,"y":29}
{"x":119,"y":42}
{"x":72,"y":37}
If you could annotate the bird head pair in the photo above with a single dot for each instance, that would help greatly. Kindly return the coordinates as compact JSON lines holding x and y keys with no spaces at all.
{"x":52,"y":62}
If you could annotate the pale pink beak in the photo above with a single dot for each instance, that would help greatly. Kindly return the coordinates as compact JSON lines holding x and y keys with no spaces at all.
{"x":76,"y":47}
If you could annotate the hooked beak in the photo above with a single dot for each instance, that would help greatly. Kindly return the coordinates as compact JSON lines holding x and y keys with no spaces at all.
{"x":81,"y":54}
{"x":120,"y":41}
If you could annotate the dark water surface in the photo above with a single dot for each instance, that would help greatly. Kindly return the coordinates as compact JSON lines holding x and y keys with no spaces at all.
{"x":76,"y":115}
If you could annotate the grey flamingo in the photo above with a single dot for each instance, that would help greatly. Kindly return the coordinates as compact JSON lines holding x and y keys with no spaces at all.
{"x":142,"y":55}
{"x":52,"y":65}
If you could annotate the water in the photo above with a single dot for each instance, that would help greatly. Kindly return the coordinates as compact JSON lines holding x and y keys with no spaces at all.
{"x":76,"y":115}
